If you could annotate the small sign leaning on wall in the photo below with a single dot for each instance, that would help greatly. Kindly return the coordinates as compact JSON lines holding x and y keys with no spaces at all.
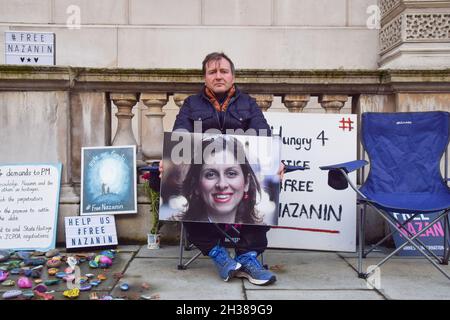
{"x":30,"y":48}
{"x":90,"y":231}
{"x":108,"y":180}
{"x":29,"y":201}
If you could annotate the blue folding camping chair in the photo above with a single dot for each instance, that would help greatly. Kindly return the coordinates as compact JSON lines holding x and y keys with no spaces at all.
{"x":405,"y":150}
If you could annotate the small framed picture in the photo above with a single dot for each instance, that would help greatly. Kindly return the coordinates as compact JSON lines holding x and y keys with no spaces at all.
{"x":108,"y":180}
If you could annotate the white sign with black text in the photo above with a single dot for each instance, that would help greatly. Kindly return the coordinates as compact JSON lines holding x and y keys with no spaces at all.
{"x":312,"y":215}
{"x":90,"y":231}
{"x":29,"y":202}
{"x":30,"y":48}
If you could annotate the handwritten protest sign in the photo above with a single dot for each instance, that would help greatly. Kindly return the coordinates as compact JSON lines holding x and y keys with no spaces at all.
{"x":29,"y":197}
{"x":312,"y":215}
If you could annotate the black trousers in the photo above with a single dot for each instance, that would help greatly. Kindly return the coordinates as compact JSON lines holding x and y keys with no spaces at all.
{"x":206,"y":236}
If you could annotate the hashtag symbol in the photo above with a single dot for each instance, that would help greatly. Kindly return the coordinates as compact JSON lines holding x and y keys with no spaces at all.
{"x":13,"y":36}
{"x":346,"y":124}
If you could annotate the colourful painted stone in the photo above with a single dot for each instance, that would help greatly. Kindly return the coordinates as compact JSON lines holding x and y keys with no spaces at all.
{"x":108,"y":254}
{"x":72,"y":293}
{"x":93,"y":264}
{"x":52,"y":271}
{"x":43,"y":295}
{"x":41,"y":288}
{"x":4,"y":255}
{"x":11,"y":294}
{"x":69,"y":278}
{"x":124,"y":287}
{"x":68,"y":270}
{"x":90,"y":275}
{"x":53,"y":263}
{"x":38,"y":281}
{"x":35,"y":261}
{"x":28,"y":294}
{"x":52,"y":253}
{"x":52,"y":282}
{"x":14,"y":264}
{"x":61,"y":275}
{"x":15,"y":271}
{"x":3,"y":275}
{"x":86,"y":288}
{"x":23,"y":255}
{"x":8,"y":283}
{"x":24,"y":283}
{"x":101,"y":277}
{"x":95,"y":283}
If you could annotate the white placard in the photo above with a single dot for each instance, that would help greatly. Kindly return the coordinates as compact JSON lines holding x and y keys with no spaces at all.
{"x":316,"y":216}
{"x":30,"y":48}
{"x":29,"y":200}
{"x":90,"y":231}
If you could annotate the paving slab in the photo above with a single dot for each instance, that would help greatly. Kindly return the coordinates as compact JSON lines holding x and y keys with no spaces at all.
{"x":200,"y":281}
{"x":313,"y":295}
{"x":309,"y":270}
{"x":166,"y":252}
{"x":409,"y":279}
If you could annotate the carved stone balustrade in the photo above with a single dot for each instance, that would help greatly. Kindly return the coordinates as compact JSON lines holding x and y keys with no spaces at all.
{"x":295,"y":102}
{"x":153,"y":132}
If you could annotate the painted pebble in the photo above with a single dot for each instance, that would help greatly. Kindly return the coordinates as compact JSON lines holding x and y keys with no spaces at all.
{"x":11,"y":294}
{"x":41,"y":288}
{"x":24,"y":283}
{"x":52,"y":253}
{"x":72,"y":293}
{"x":4,"y":255}
{"x":3,"y":275}
{"x":8,"y":283}
{"x":124,"y":287}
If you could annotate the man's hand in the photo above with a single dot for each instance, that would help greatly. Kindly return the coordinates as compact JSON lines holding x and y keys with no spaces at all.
{"x":281,"y":171}
{"x":161,"y":169}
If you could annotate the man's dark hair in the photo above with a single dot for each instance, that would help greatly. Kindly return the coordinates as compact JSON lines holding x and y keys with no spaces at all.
{"x":216,"y":56}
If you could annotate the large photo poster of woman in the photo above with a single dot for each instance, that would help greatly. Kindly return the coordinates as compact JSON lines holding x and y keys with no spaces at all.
{"x":215,"y":178}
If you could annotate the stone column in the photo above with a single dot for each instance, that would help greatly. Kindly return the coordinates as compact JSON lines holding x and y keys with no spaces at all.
{"x":332,"y":103}
{"x":153,"y":131}
{"x":125,"y":103}
{"x":264,"y":101}
{"x":179,"y":98}
{"x":295,"y":102}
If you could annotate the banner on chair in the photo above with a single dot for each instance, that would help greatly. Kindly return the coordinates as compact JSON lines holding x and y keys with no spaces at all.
{"x":433,"y":238}
{"x":220,"y":178}
{"x":311,"y":214}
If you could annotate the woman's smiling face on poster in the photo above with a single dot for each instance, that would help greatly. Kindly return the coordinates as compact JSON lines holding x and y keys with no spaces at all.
{"x":222,"y":187}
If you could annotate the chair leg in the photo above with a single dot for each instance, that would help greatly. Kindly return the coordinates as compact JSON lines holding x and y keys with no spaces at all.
{"x":181,"y":266}
{"x":361,"y":240}
{"x":446,"y":252}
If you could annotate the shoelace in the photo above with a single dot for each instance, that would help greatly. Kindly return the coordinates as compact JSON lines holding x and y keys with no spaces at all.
{"x":252,"y":263}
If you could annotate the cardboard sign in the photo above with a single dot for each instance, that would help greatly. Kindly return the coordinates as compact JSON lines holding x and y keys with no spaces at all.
{"x":312,"y":215}
{"x":29,"y":201}
{"x":108,"y":180}
{"x":433,"y":238}
{"x":30,"y":48}
{"x":90,"y":231}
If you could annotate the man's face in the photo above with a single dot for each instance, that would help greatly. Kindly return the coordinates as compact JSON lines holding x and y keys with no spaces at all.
{"x":218,"y":76}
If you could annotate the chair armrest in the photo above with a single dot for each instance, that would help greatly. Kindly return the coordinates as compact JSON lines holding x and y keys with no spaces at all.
{"x":346,"y":166}
{"x":338,"y":173}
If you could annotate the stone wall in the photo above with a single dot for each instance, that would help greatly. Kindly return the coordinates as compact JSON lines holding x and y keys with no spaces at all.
{"x":262,"y":34}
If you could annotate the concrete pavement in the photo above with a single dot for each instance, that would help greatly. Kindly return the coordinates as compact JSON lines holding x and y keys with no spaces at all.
{"x":302,"y":275}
